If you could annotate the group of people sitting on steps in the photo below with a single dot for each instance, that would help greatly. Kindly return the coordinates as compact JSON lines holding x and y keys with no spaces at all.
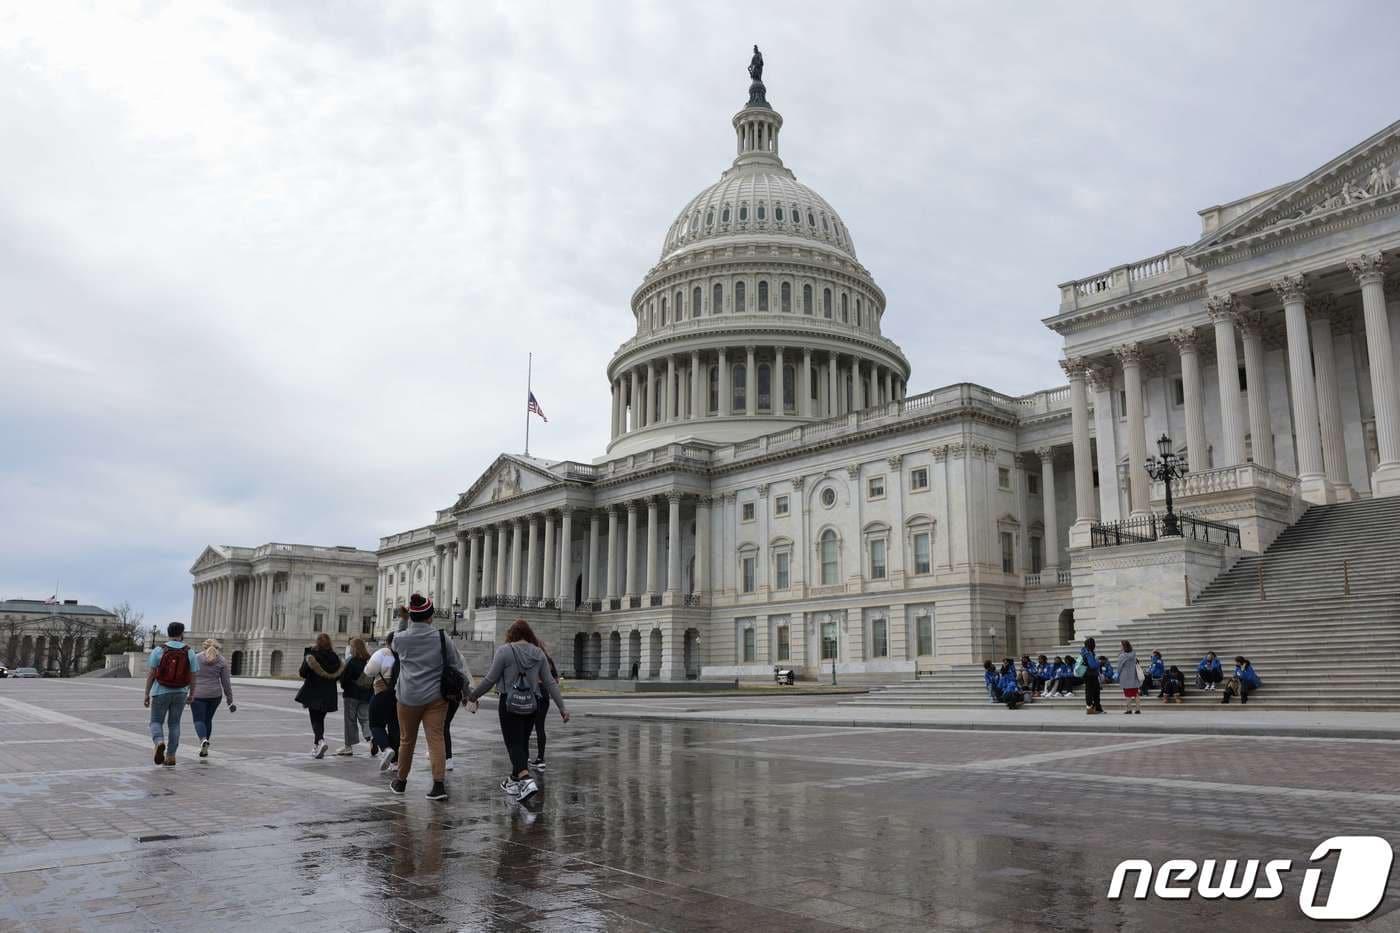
{"x":1056,"y":678}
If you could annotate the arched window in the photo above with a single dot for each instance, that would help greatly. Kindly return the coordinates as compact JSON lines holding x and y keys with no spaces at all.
{"x":765,"y":387}
{"x":826,"y":303}
{"x":762,"y":212}
{"x":739,"y":298}
{"x":724,"y":215}
{"x":806,"y":299}
{"x":811,"y":220}
{"x":663,"y":310}
{"x":829,"y":554}
{"x":714,"y":388}
{"x":696,"y":297}
{"x":845,"y":309}
{"x":778,"y":213}
{"x":680,"y":314}
{"x":717,"y":300}
{"x":739,"y":386}
{"x":785,"y":296}
{"x":825,"y":228}
{"x":709,"y":218}
{"x":694,"y":223}
{"x":763,"y":296}
{"x":743,"y":212}
{"x":860,"y":318}
{"x":789,"y":388}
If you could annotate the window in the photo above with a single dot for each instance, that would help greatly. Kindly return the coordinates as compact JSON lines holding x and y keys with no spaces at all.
{"x":1244,"y":380}
{"x":921,"y":552}
{"x":680,"y":315}
{"x":318,"y":621}
{"x":845,"y":308}
{"x":740,"y":387}
{"x":877,"y":559}
{"x":1036,"y":552}
{"x":811,"y":219}
{"x":724,"y":215}
{"x":714,"y":388}
{"x":785,"y":295}
{"x":778,"y":213}
{"x":828,"y":549}
{"x":342,"y":623}
{"x":780,"y":505}
{"x":403,"y":578}
{"x":875,"y":487}
{"x":320,"y":587}
{"x":1178,"y":393}
{"x":923,"y":636}
{"x":784,"y":631}
{"x":1008,"y":553}
{"x":369,"y":589}
{"x":826,"y":303}
{"x":806,"y":299}
{"x":1003,"y":478}
{"x":860,"y":316}
{"x":765,"y":387}
{"x":789,"y":388}
{"x":663,"y":311}
{"x":763,"y":296}
{"x":748,"y":646}
{"x":743,"y":212}
{"x":717,"y":300}
{"x":746,"y":512}
{"x":345,"y":588}
{"x":762,"y":212}
{"x":366,"y":625}
{"x":740,"y":298}
{"x":829,"y":641}
{"x":1033,"y":484}
{"x":750,"y":568}
{"x":782,"y":570}
{"x":696,"y":296}
{"x":709,"y":218}
{"x":880,"y":638}
{"x":918,"y":479}
{"x":828,"y":497}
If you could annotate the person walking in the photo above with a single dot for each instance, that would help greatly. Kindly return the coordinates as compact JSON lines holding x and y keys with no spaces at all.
{"x":211,"y":684}
{"x":428,"y":673}
{"x":172,"y":667}
{"x":383,"y":707}
{"x":543,"y":712}
{"x":357,"y":693}
{"x":521,"y":668}
{"x":1130,"y":678}
{"x":1089,"y":663}
{"x":320,"y":667}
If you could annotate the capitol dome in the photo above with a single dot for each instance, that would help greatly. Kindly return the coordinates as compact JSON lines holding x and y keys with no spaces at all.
{"x":757,"y":316}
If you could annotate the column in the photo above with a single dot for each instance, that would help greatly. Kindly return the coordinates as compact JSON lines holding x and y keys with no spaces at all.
{"x":750,"y":385}
{"x":1369,"y":269}
{"x":488,"y":561}
{"x":517,"y":549}
{"x":593,"y":522}
{"x":702,"y":547}
{"x":1105,"y":445}
{"x":1051,"y":541}
{"x":614,"y":553}
{"x":630,"y":579}
{"x":1227,"y":365}
{"x":777,"y":398}
{"x":612,"y":424}
{"x":857,"y":385}
{"x":566,"y":558}
{"x":1329,"y":402}
{"x":1312,"y":482}
{"x":1131,"y":357}
{"x":804,"y":386}
{"x":1085,"y":507}
{"x":670,"y":407}
{"x":1188,"y":347}
{"x":652,"y":544}
{"x":833,"y":406}
{"x":548,"y":586}
{"x":649,"y":395}
{"x":502,"y":558}
{"x":888,"y":384}
{"x":697,"y":400}
{"x":673,"y":536}
{"x":534,"y":583}
{"x":1261,"y":432}
{"x":725,"y":386}
{"x":449,"y":582}
{"x":473,"y":563}
{"x":634,"y":408}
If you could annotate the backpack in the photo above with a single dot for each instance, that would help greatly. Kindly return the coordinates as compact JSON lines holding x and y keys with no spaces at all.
{"x":453,"y":686}
{"x":1080,"y":668}
{"x":173,"y":670}
{"x":520,"y":695}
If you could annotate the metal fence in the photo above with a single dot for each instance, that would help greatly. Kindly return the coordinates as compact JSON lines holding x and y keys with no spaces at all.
{"x":1153,"y":527}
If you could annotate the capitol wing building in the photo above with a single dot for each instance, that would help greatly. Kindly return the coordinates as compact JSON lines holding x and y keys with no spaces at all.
{"x":771,"y":494}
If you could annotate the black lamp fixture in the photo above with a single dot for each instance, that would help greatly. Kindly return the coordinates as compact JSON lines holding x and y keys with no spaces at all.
{"x":1166,"y":467}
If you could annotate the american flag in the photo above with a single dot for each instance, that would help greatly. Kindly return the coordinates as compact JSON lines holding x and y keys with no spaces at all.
{"x":534,"y":408}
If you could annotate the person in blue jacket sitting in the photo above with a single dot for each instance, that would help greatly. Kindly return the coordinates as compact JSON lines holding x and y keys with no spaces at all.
{"x":1208,"y":672}
{"x":990,"y":680}
{"x":1043,"y":673}
{"x":1011,"y":693}
{"x":1243,"y":680}
{"x":1025,"y":676}
{"x":1107,"y":675}
{"x":1156,"y":671}
{"x":1065,"y":681}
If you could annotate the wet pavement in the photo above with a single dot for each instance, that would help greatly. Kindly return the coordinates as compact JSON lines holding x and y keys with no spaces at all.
{"x":649,"y":825}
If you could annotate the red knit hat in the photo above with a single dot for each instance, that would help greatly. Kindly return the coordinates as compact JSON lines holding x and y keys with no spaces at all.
{"x":420,"y":608}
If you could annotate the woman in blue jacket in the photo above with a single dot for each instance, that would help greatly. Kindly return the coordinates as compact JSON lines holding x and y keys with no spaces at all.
{"x":1208,"y":672}
{"x":1242,"y":681}
{"x":1107,"y":675}
{"x":1156,"y":672}
{"x":991,"y":680}
{"x":1092,"y":706}
{"x":1011,"y":693}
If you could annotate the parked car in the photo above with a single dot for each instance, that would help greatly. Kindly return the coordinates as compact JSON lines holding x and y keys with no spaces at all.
{"x":25,"y":672}
{"x":4,"y":671}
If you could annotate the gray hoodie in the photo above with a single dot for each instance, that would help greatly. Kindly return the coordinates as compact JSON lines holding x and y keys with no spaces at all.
{"x":505,"y":669}
{"x":420,"y":663}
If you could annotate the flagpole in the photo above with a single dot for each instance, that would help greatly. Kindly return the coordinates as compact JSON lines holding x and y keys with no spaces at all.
{"x":529,"y":367}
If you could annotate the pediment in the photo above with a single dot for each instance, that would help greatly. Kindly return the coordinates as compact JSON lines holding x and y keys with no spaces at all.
{"x":509,"y":476}
{"x":210,"y":556}
{"x":1363,"y":177}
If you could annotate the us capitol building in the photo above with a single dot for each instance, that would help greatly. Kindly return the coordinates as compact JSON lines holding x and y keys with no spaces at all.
{"x":772,"y":495}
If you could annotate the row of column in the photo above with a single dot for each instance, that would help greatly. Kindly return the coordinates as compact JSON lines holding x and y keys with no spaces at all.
{"x":1316,"y":401}
{"x":684,"y":386}
{"x":223,"y":605}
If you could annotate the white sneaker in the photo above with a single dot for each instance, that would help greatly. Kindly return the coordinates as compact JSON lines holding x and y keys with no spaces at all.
{"x":388,"y":760}
{"x":344,"y":751}
{"x":528,"y":788}
{"x":449,"y":764}
{"x":320,"y":750}
{"x":512,"y":788}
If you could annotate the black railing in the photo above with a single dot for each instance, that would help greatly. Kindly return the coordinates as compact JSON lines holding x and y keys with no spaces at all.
{"x":594,"y":605}
{"x":634,"y":602}
{"x":614,"y":603}
{"x":690,"y":599}
{"x":1153,"y":527}
{"x":655,"y":599}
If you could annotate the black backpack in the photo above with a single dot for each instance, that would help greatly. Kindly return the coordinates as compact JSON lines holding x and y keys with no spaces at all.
{"x":454,"y":684}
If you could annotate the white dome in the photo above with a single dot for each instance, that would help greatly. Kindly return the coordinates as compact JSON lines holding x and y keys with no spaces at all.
{"x":758,"y":199}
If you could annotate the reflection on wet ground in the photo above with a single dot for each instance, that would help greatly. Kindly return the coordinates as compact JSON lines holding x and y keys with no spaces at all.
{"x":647,"y":826}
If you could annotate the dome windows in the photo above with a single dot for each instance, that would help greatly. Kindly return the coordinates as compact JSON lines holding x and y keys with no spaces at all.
{"x":724,"y":215}
{"x":739,"y":385}
{"x":762,"y":212}
{"x":826,"y":303}
{"x":811,"y":220}
{"x":680,"y":315}
{"x":785,"y":297}
{"x":696,"y":297}
{"x":740,"y":298}
{"x":845,"y":309}
{"x":744,"y":212}
{"x":663,"y":310}
{"x":717,"y":300}
{"x":778,"y":213}
{"x":825,"y":228}
{"x":709,"y":218}
{"x":806,"y":299}
{"x":763,"y":296}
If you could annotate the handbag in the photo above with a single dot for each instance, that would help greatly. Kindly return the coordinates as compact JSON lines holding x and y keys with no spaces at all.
{"x":1080,"y":668}
{"x":453,"y":685}
{"x":520,"y":696}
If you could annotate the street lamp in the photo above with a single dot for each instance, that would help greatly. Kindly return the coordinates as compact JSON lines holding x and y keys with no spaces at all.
{"x":456,"y":614}
{"x":1166,"y":467}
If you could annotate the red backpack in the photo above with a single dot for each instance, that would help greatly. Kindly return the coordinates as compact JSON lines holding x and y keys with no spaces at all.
{"x":174,"y":668}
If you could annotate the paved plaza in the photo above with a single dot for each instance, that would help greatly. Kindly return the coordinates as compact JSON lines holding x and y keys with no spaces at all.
{"x":651,"y":825}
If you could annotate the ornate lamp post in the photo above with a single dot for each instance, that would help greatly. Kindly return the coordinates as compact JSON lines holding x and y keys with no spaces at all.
{"x":456,"y":615}
{"x":1166,"y":467}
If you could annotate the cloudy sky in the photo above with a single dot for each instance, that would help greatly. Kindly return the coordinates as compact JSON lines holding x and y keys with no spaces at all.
{"x":271,"y":272}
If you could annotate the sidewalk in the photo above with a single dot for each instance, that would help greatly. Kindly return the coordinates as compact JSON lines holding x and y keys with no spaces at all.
{"x":1233,"y":721}
{"x":574,"y":688}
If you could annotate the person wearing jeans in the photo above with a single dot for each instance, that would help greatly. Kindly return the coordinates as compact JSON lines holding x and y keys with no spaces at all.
{"x":383,"y":709}
{"x":211,"y":684}
{"x":356,"y":696}
{"x":423,"y":654}
{"x":167,"y":700}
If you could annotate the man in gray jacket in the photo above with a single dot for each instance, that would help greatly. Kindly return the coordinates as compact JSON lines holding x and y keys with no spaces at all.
{"x":423,"y":651}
